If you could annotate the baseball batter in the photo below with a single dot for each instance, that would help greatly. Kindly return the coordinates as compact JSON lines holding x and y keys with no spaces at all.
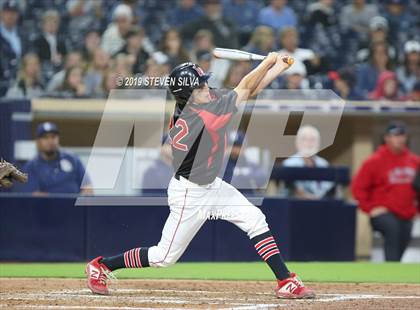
{"x":198,"y":137}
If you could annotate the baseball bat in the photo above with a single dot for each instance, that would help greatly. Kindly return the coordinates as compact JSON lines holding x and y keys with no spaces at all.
{"x":232,"y":54}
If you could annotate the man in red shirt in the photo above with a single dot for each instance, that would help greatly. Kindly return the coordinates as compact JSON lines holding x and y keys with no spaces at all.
{"x":383,"y":188}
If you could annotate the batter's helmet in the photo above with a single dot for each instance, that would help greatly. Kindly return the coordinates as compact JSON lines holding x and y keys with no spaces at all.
{"x":184,"y":78}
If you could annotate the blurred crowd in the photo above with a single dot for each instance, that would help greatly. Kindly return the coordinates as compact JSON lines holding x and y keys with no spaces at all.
{"x":363,"y":50}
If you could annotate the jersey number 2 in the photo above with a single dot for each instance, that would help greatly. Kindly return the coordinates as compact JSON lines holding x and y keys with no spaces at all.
{"x":180,"y":135}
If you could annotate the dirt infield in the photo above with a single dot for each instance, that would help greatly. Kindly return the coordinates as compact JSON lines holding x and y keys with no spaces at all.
{"x":194,"y":294}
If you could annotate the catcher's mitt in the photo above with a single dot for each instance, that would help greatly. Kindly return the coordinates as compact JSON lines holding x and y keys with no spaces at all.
{"x":9,"y":173}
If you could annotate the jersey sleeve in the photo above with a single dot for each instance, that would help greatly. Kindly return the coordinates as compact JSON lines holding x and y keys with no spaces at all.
{"x":362,"y":185}
{"x":225,"y":102}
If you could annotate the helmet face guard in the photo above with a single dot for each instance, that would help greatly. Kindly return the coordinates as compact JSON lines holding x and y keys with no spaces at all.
{"x":184,"y":78}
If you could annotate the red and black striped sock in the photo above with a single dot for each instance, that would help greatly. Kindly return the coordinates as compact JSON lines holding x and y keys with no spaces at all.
{"x":134,"y":258}
{"x":267,"y":248}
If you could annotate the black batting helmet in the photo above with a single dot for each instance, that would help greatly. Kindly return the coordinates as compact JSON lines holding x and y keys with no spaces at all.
{"x":184,"y":78}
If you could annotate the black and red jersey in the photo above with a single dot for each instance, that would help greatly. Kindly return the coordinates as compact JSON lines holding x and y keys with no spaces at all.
{"x":198,"y":136}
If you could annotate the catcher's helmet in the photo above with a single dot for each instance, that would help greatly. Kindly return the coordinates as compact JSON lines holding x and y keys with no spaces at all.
{"x":181,"y":77}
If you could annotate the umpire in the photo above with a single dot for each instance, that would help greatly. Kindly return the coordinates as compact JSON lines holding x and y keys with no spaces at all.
{"x":384,"y":190}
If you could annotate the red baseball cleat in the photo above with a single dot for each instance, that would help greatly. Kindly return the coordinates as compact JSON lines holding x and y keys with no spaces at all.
{"x":97,"y":276}
{"x":293,"y":288}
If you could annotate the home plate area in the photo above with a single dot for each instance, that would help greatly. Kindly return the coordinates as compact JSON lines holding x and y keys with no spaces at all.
{"x":34,"y":293}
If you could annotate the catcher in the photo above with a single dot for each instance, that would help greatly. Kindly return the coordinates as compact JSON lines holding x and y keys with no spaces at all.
{"x":9,"y":173}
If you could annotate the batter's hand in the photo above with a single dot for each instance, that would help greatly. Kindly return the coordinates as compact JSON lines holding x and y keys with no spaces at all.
{"x":271,"y":58}
{"x":9,"y":174}
{"x":286,"y":59}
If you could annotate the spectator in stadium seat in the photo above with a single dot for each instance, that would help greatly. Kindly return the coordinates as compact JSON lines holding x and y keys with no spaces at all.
{"x":235,"y":74}
{"x":186,"y":11}
{"x":171,"y":44}
{"x":244,"y":14}
{"x":262,"y":41}
{"x":8,"y":26}
{"x":344,"y":82}
{"x":378,"y":29}
{"x":401,"y":21}
{"x":158,"y":175}
{"x":134,"y":50}
{"x":28,"y":84}
{"x":245,"y":175}
{"x":356,"y":17}
{"x":203,"y":40}
{"x":321,"y":29}
{"x":294,"y":77}
{"x":82,"y":16}
{"x":157,"y":66}
{"x":368,"y":72}
{"x":203,"y":59}
{"x":122,"y":65}
{"x":139,"y":10}
{"x":73,"y":85}
{"x":223,"y":29}
{"x":321,"y":13}
{"x":95,"y":73}
{"x":72,"y":59}
{"x":378,"y":34}
{"x":151,"y":15}
{"x":53,"y":170}
{"x":277,"y":15}
{"x":383,"y":189}
{"x":409,"y":73}
{"x":10,"y":44}
{"x":289,"y":39}
{"x":414,"y":95}
{"x":113,"y":39}
{"x":48,"y":45}
{"x":308,"y":141}
{"x":109,"y":82}
{"x":92,"y":42}
{"x":386,"y":87}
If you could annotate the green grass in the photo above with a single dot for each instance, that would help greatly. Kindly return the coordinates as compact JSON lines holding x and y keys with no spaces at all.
{"x":314,"y":272}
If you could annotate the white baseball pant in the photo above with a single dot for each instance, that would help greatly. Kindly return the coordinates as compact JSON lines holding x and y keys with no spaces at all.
{"x":190,"y":205}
